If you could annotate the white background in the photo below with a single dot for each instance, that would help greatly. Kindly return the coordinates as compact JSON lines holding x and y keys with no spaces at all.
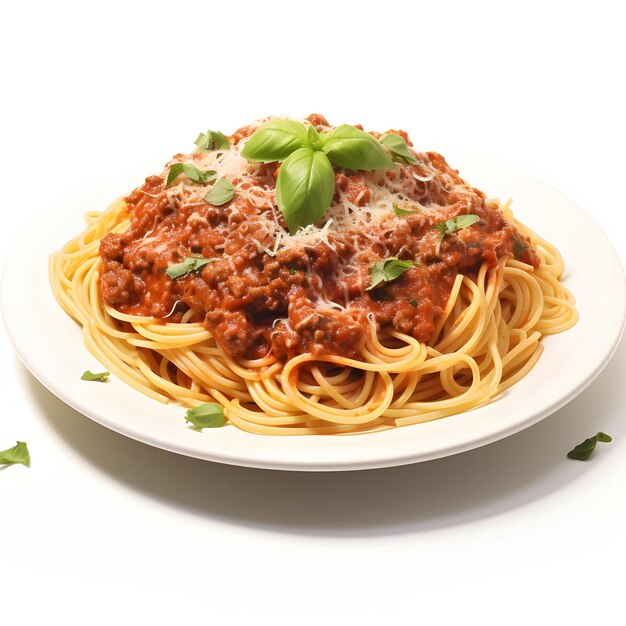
{"x":102,"y":529}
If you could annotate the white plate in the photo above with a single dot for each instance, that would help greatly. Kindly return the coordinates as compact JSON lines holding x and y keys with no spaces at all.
{"x":49,"y":343}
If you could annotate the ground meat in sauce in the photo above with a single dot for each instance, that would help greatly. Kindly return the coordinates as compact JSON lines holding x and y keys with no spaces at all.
{"x":312,"y":297}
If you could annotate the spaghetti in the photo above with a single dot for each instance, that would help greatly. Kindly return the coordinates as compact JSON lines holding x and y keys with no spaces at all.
{"x":486,"y":316}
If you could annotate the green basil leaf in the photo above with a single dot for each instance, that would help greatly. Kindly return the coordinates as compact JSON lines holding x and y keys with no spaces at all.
{"x":456,"y":223}
{"x":584,"y":450}
{"x":212,"y":140}
{"x":206,"y":415}
{"x":275,"y":141}
{"x":399,"y":149}
{"x":518,"y":248}
{"x":16,"y":454}
{"x":354,"y":149}
{"x":190,"y":264}
{"x":174,"y":172}
{"x":102,"y":377}
{"x":388,"y":270}
{"x":304,"y":188}
{"x":413,"y":302}
{"x":221,"y":193}
{"x":313,"y":138}
{"x":402,"y":212}
{"x":198,"y":176}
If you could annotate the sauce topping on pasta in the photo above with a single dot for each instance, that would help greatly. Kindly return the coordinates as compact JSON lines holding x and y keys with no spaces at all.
{"x":265,"y":290}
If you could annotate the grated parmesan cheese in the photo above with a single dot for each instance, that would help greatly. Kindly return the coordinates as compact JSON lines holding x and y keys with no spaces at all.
{"x":398,"y":186}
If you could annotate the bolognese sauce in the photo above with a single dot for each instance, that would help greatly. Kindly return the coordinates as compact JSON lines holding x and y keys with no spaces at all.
{"x":268,"y":291}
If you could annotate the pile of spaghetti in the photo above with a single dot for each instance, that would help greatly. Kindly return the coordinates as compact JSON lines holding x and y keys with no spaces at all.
{"x":412,"y":298}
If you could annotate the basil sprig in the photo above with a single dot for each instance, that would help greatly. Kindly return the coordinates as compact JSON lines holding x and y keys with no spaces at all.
{"x":206,"y":415}
{"x":584,"y":450}
{"x":211,"y":140}
{"x":456,"y":223}
{"x":16,"y":454}
{"x":399,"y":149}
{"x":100,"y":377}
{"x":305,"y":187}
{"x":388,"y":270}
{"x":306,"y":181}
{"x":191,"y":171}
{"x":190,"y":264}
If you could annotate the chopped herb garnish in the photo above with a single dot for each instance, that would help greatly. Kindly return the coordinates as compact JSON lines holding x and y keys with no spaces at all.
{"x":413,"y":302}
{"x":221,"y":193}
{"x":388,"y":270}
{"x":101,"y":377}
{"x":399,"y":149}
{"x":191,"y":171}
{"x":206,"y":415}
{"x":584,"y":450}
{"x":400,"y":212}
{"x":190,"y":264}
{"x":292,"y":271}
{"x":212,"y":140}
{"x":198,"y":176}
{"x":456,"y":223}
{"x":175,"y":171}
{"x":518,"y":248}
{"x":16,"y":454}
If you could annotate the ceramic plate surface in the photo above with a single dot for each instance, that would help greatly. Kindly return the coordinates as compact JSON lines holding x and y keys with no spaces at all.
{"x":50,"y":345}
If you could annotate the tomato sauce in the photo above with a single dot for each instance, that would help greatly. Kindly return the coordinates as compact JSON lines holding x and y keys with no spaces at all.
{"x":312,"y":297}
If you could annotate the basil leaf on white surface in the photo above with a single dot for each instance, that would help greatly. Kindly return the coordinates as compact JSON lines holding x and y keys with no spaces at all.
{"x":101,"y":377}
{"x":18,"y":454}
{"x":206,"y":415}
{"x":584,"y":450}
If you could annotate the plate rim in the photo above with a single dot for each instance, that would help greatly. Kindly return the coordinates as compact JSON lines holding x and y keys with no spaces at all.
{"x":379,"y":461}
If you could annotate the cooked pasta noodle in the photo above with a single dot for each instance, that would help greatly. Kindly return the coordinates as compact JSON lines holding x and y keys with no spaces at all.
{"x":487,"y":340}
{"x":487,"y":337}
